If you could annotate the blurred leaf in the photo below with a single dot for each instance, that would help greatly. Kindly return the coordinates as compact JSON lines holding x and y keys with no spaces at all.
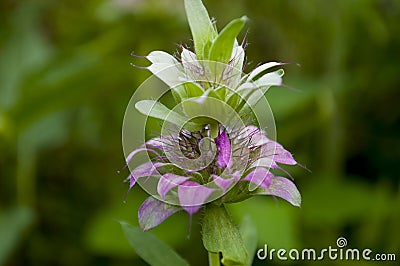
{"x":203,"y":31}
{"x":356,"y":201}
{"x":103,"y":234}
{"x":275,"y":220}
{"x":13,"y":223}
{"x":24,"y":50}
{"x":248,"y":231}
{"x":151,"y":249}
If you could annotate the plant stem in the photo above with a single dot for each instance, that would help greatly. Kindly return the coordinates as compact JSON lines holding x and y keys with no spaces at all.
{"x":213,"y":259}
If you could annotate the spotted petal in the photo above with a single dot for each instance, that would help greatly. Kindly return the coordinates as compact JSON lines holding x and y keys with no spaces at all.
{"x":152,"y":212}
{"x":168,"y":182}
{"x":277,"y":152}
{"x":260,"y":177}
{"x":143,"y":170}
{"x":192,"y":196}
{"x":283,"y":188}
{"x":224,"y":149}
{"x":222,"y":182}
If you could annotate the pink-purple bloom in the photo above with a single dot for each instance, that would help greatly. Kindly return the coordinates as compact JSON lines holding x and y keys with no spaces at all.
{"x":246,"y":164}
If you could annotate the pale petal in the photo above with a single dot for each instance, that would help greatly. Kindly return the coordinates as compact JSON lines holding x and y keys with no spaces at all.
{"x":152,"y":212}
{"x":192,"y":196}
{"x":262,"y":68}
{"x":237,"y":60}
{"x":266,"y":162}
{"x":166,"y":68}
{"x":256,"y":136}
{"x":268,"y":80}
{"x":192,"y":67}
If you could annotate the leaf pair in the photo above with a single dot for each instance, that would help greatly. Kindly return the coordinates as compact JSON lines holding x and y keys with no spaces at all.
{"x":208,"y":44}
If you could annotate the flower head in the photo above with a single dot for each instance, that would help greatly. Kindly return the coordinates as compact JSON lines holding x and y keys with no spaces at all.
{"x":208,"y":152}
{"x":243,"y":166}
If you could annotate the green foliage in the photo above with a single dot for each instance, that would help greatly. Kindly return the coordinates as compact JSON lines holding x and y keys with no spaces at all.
{"x":221,"y":235}
{"x":222,"y":46}
{"x":13,"y":225}
{"x":203,"y":30}
{"x":150,"y":248}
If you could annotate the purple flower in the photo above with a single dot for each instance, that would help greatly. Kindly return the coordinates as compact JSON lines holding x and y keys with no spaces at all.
{"x":240,"y":163}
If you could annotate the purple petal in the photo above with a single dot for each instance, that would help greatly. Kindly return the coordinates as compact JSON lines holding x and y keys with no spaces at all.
{"x":260,"y":177}
{"x":168,"y":182}
{"x":136,"y":151}
{"x":152,"y":212}
{"x":266,"y":162}
{"x":192,"y":195}
{"x":224,"y":149}
{"x":222,"y":182}
{"x":146,"y":169}
{"x":283,"y":188}
{"x":276,"y":151}
{"x":155,"y":143}
{"x":285,"y":157}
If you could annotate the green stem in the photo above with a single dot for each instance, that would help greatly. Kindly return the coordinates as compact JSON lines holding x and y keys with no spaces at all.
{"x":213,"y":259}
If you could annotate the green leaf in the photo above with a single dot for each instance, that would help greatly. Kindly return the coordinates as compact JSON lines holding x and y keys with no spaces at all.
{"x":249,"y":234}
{"x":158,"y":110}
{"x":221,"y":49}
{"x":233,"y":100}
{"x":13,"y":225}
{"x":193,"y":89}
{"x":220,"y":234}
{"x":202,"y":28}
{"x":179,"y":93}
{"x":208,"y":106}
{"x":221,"y":92}
{"x":150,"y":248}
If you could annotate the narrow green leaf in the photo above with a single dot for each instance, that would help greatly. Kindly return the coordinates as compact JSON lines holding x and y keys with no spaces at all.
{"x":221,"y":49}
{"x":193,"y":89}
{"x":158,"y":110}
{"x":202,"y":28}
{"x":233,"y":100}
{"x":220,"y":234}
{"x":150,"y":248}
{"x":221,"y":92}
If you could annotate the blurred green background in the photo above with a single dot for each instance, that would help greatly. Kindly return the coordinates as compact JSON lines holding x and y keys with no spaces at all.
{"x":65,"y":81}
